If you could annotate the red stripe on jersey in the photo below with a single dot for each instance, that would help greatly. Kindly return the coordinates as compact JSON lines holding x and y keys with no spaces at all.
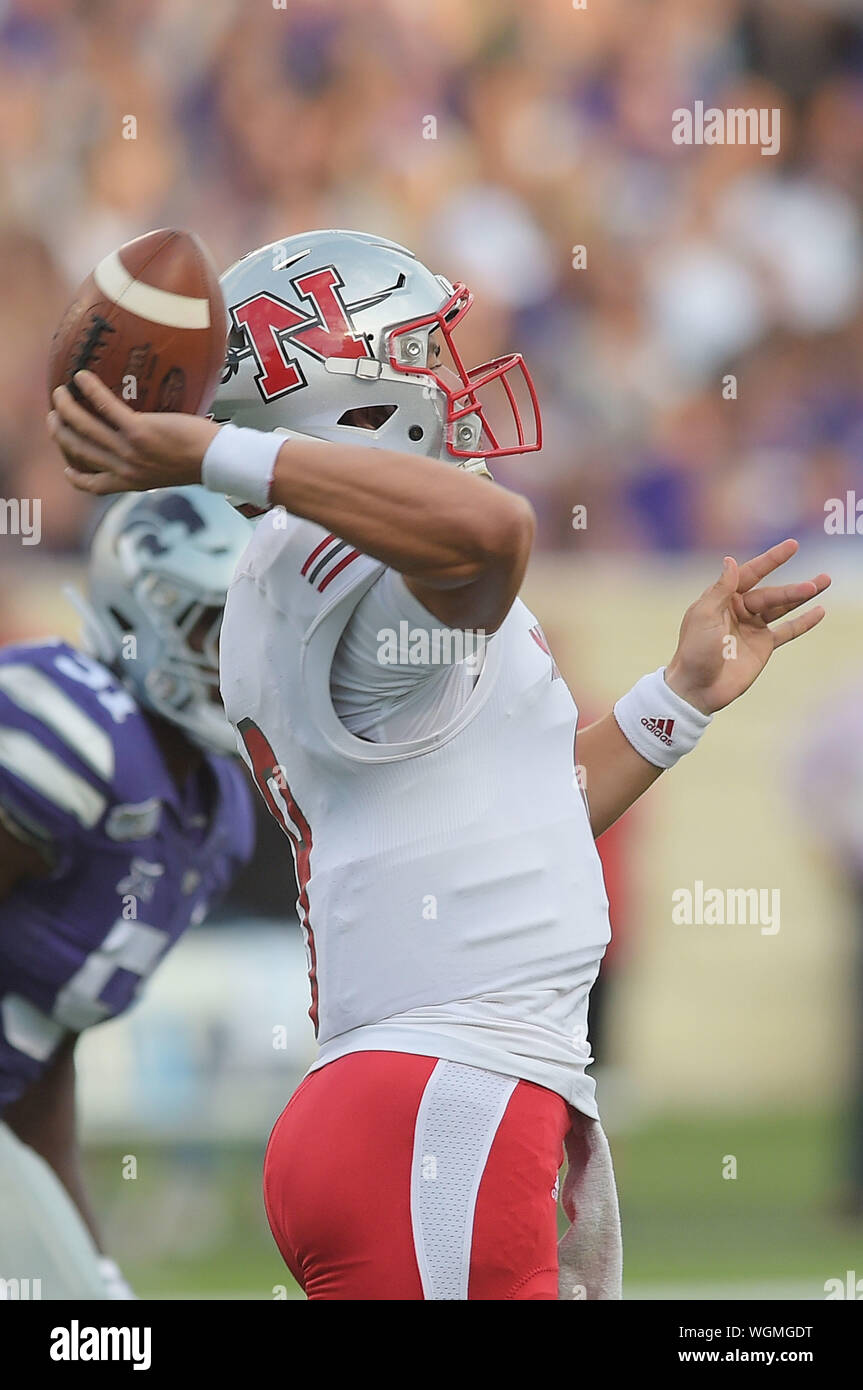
{"x":266,"y":768}
{"x":348,"y":560}
{"x":316,"y":552}
{"x":302,"y":859}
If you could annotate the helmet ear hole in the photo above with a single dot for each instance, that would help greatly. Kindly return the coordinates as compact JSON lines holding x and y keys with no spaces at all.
{"x":367,"y":417}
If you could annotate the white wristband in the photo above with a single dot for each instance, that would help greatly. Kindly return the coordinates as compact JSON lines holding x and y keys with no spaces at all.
{"x":660,"y":725}
{"x":240,"y":463}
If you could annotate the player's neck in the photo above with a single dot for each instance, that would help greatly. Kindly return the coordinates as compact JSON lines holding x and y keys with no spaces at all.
{"x":182,"y":757}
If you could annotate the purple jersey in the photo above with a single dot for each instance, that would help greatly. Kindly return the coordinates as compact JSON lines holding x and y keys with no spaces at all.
{"x":133,"y":859}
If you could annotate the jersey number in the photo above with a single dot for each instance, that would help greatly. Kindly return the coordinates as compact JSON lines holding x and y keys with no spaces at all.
{"x":111,"y":697}
{"x":273,"y":786}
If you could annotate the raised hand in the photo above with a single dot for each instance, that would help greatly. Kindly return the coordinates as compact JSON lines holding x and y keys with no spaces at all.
{"x":726,"y":639}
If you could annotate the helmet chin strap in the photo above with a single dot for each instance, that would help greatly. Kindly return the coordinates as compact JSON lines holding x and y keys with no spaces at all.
{"x":477,"y":466}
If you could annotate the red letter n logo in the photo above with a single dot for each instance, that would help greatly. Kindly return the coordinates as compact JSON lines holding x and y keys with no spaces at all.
{"x":273,"y":326}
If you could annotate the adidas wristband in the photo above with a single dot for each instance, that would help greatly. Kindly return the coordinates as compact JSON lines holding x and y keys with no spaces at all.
{"x":240,"y":463}
{"x":659,"y":724}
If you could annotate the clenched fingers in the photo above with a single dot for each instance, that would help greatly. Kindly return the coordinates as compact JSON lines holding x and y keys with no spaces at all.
{"x":82,"y":452}
{"x":72,"y":415}
{"x":100,"y":484}
{"x":104,"y":403}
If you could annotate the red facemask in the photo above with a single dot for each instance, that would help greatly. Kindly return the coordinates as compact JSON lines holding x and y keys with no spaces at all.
{"x":500,"y":393}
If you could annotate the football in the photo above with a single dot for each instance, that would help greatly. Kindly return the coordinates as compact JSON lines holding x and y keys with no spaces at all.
{"x":150,"y":321}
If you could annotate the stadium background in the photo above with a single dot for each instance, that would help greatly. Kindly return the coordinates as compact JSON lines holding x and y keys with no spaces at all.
{"x":494,"y":139}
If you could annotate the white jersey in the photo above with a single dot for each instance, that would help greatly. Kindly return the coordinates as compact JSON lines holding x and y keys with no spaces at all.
{"x":451,"y":894}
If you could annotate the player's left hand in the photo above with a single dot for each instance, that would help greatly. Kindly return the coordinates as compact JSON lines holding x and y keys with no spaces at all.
{"x":726,"y":639}
{"x":111,"y":448}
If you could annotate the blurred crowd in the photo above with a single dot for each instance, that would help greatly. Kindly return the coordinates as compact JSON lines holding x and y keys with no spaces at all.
{"x":699,"y":364}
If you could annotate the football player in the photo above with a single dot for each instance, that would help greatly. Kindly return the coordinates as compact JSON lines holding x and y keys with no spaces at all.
{"x":121,"y":821}
{"x":408,"y":728}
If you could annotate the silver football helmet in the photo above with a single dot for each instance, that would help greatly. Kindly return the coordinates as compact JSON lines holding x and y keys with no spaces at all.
{"x":160,"y":566}
{"x":345,"y":336}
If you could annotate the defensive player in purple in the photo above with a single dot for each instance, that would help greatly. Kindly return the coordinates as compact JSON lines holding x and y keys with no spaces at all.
{"x":121,"y":821}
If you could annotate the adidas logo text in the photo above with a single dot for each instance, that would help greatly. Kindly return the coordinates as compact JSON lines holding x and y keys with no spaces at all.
{"x":660,"y":728}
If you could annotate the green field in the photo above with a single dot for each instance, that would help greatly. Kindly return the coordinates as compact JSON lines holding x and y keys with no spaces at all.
{"x":192,"y":1223}
{"x":779,"y":1222}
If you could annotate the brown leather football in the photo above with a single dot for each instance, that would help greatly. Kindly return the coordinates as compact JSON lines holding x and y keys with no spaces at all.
{"x":150,"y":322}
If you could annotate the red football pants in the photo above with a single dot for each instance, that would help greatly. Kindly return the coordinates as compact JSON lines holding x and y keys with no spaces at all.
{"x":393,"y":1176}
